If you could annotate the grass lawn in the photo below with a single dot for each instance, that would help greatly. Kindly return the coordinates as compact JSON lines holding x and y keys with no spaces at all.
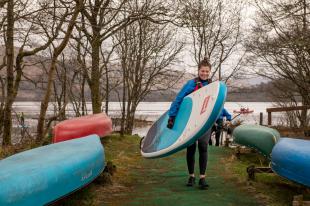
{"x":139,"y":181}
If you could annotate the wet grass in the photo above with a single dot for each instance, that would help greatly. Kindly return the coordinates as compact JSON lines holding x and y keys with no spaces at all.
{"x":17,"y":148}
{"x":136,"y":180}
{"x":139,"y":181}
{"x":124,"y":153}
{"x":270,"y":188}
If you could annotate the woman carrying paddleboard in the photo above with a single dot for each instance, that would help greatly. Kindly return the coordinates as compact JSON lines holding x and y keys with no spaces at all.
{"x":204,"y":70}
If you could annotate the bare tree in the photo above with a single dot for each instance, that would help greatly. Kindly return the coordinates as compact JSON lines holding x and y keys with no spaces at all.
{"x":107,"y":69}
{"x":80,"y":49}
{"x":2,"y":97}
{"x":25,"y":25}
{"x":214,"y":28}
{"x":147,"y":52}
{"x":69,"y":85}
{"x":41,"y":131}
{"x":59,"y":85}
{"x":2,"y":3}
{"x":76,"y":92}
{"x":100,"y":20}
{"x":9,"y":53}
{"x":280,"y":47}
{"x":2,"y":67}
{"x":110,"y":73}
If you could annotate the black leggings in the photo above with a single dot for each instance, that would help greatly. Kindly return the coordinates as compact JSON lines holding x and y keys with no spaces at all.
{"x":203,"y":154}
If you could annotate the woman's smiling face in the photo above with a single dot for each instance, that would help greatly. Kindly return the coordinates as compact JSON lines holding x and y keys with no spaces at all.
{"x":204,"y":72}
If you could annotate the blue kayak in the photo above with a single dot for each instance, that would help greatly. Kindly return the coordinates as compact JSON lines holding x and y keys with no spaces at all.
{"x":290,"y":158}
{"x":45,"y":174}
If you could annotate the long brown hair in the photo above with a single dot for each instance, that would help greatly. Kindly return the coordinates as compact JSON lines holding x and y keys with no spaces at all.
{"x":205,"y":62}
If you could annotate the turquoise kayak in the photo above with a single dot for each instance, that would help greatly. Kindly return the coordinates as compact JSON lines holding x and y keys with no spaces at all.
{"x":290,"y":158}
{"x":258,"y":137}
{"x":45,"y":174}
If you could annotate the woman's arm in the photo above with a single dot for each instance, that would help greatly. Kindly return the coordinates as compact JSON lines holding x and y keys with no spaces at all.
{"x":186,"y":89}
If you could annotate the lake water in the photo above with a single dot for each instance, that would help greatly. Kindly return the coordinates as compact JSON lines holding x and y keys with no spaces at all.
{"x":151,"y":111}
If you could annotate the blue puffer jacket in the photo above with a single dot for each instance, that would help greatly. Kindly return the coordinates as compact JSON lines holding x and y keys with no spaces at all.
{"x":188,"y":88}
{"x":223,"y":114}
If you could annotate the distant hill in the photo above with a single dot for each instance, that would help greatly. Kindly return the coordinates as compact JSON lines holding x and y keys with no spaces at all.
{"x":250,"y":90}
{"x":254,"y":89}
{"x":256,"y":93}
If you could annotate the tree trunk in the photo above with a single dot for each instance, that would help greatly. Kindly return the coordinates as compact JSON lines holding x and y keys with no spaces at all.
{"x":108,"y":92}
{"x":41,"y":132}
{"x":84,"y":109}
{"x":304,"y":119}
{"x":7,"y":119}
{"x":131,"y":119}
{"x":45,"y":101}
{"x":123,"y":108}
{"x":64,"y":94}
{"x":95,"y":72}
{"x":2,"y":103}
{"x":1,"y":118}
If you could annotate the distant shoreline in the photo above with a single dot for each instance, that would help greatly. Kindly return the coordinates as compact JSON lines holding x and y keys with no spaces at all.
{"x":149,"y":101}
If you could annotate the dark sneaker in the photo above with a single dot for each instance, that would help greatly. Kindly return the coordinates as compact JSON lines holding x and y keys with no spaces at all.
{"x":191,"y":181}
{"x":203,"y":184}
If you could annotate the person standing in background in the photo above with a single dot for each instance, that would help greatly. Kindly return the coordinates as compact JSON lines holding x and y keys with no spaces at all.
{"x":218,"y":126}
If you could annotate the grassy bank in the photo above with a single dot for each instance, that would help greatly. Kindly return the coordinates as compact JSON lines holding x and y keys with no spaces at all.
{"x":137,"y":180}
{"x":140,"y":181}
{"x":268,"y":187}
{"x":124,"y":154}
{"x":17,"y":148}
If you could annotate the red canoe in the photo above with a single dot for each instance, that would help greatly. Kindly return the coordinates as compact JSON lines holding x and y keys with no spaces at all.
{"x":99,"y":124}
{"x":243,"y":111}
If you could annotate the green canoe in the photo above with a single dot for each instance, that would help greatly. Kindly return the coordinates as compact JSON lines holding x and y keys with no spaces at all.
{"x":258,"y":137}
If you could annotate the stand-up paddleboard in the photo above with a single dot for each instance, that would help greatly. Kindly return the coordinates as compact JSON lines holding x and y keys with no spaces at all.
{"x":197,"y":113}
{"x":290,"y":158}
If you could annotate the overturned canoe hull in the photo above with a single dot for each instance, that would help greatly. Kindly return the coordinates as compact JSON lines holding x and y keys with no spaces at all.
{"x":45,"y":174}
{"x":99,"y":124}
{"x":290,"y":158}
{"x":258,"y":137}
